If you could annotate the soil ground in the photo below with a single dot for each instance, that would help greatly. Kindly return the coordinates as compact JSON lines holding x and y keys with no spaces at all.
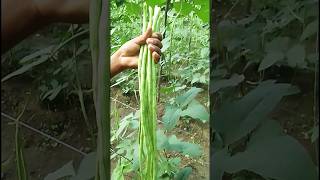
{"x":63,"y":120}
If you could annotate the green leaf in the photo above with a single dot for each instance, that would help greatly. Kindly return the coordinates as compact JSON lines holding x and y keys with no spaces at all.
{"x":276,"y":156}
{"x":310,"y":30}
{"x":87,"y":168}
{"x":278,"y":44}
{"x":172,"y":143}
{"x":187,"y":97}
{"x":270,"y":59}
{"x":190,"y":149}
{"x":25,"y":68}
{"x":218,"y":160}
{"x":117,"y":173}
{"x":184,"y":7}
{"x":56,"y":91}
{"x":196,"y":111}
{"x":203,"y":13}
{"x":133,"y":8}
{"x":236,"y":119}
{"x":231,"y":82}
{"x":65,"y":171}
{"x":38,"y":53}
{"x":155,"y":2}
{"x":171,"y":116}
{"x":183,"y":174}
{"x":296,"y":55}
{"x":162,"y":140}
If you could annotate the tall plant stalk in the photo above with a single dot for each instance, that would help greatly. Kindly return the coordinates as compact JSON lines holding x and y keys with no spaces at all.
{"x":101,"y":82}
{"x":147,"y":72}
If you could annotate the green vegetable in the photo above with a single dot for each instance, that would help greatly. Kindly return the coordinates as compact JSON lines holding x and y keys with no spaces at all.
{"x":147,"y":72}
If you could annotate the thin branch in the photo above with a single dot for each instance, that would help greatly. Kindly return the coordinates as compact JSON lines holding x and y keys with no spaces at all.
{"x":42,"y":133}
{"x":124,"y":104}
{"x":230,"y":10}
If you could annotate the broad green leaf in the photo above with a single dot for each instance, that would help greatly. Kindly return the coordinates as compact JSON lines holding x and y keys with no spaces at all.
{"x":133,"y":8}
{"x":231,"y":82}
{"x":203,"y":13}
{"x":155,"y":2}
{"x":218,"y":160}
{"x":310,"y":30}
{"x":25,"y":68}
{"x":275,"y":156}
{"x":269,"y":153}
{"x":171,"y":116}
{"x":187,"y":97}
{"x":270,"y":59}
{"x":296,"y":55}
{"x":196,"y":111}
{"x":183,"y":174}
{"x":87,"y":168}
{"x":183,"y":7}
{"x":278,"y":44}
{"x":174,"y":144}
{"x":236,"y":119}
{"x":162,"y":140}
{"x":65,"y":171}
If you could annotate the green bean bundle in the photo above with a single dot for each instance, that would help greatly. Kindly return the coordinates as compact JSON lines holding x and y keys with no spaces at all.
{"x":147,"y":71}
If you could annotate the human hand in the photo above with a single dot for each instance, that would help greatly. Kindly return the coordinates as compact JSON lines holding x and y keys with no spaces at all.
{"x":126,"y":57}
{"x":68,"y":11}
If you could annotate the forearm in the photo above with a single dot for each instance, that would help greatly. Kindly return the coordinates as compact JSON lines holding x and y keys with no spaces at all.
{"x":19,"y":18}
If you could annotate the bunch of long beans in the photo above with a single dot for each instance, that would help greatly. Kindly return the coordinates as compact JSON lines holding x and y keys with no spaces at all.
{"x":147,"y":72}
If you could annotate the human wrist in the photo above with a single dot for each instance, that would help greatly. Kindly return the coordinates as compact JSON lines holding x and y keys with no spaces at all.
{"x":117,"y":65}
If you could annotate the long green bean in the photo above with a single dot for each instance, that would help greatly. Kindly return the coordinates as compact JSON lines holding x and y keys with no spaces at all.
{"x":147,"y":72}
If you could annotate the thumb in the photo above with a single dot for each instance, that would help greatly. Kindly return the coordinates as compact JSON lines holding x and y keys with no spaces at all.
{"x":141,"y":40}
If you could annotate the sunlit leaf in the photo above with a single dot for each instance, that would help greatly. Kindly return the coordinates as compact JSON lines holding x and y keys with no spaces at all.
{"x":171,"y":116}
{"x":155,"y":2}
{"x":183,"y":7}
{"x":187,"y":97}
{"x":172,"y":143}
{"x":196,"y":111}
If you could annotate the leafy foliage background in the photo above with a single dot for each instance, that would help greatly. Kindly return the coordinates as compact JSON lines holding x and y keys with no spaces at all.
{"x":260,"y":47}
